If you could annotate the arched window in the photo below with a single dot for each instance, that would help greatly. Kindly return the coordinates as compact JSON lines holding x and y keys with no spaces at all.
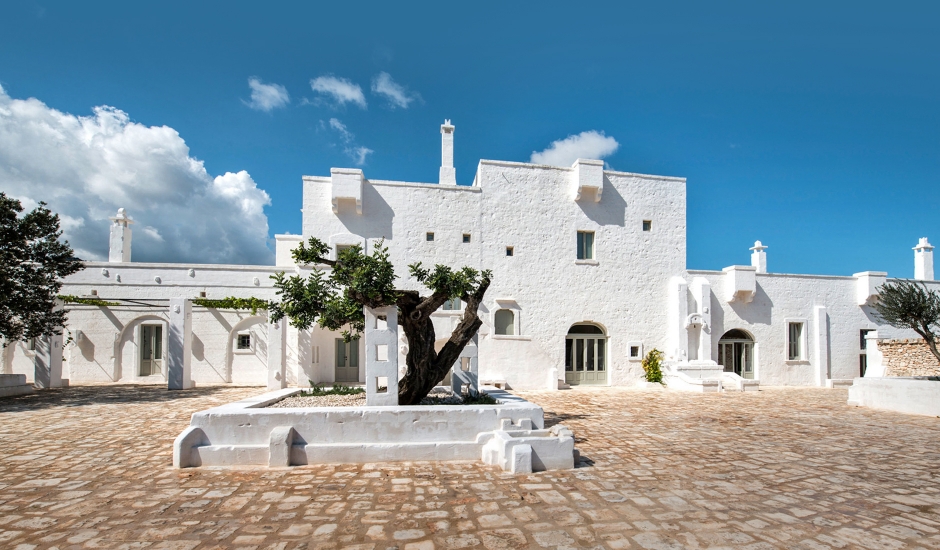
{"x":505,"y":321}
{"x":736,"y":353}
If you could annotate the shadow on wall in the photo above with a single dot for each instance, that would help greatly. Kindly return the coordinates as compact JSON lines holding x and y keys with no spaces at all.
{"x":375,"y":222}
{"x":610,"y":211}
{"x":758,"y":312}
{"x":79,"y":396}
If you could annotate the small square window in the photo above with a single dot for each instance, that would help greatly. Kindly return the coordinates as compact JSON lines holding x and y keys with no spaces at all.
{"x":466,"y":237}
{"x":647,"y":225}
{"x":634,"y":351}
{"x":509,"y":251}
{"x":429,"y":237}
{"x":244,"y":341}
{"x":585,"y":245}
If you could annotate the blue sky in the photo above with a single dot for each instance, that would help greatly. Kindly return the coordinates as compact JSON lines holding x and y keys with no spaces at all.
{"x":814,"y":127}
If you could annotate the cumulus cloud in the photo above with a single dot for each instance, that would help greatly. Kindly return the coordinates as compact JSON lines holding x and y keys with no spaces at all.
{"x":266,"y":97}
{"x":395,"y":93}
{"x":586,"y":145}
{"x":356,"y":152}
{"x":86,"y":167}
{"x":338,"y":91}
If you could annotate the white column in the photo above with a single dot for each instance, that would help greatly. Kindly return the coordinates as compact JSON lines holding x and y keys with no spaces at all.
{"x":820,"y":345}
{"x":381,"y":342}
{"x":923,"y":260}
{"x":120,"y":244}
{"x":448,"y":173}
{"x":702,"y":292}
{"x":678,"y":313}
{"x":179,"y":345}
{"x":873,"y":357}
{"x":47,"y":366}
{"x":759,"y":257}
{"x":470,"y":377}
{"x":277,"y":343}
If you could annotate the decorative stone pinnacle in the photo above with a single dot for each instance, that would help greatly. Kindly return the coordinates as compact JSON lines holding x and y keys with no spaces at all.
{"x":758,"y":246}
{"x":922,"y":244}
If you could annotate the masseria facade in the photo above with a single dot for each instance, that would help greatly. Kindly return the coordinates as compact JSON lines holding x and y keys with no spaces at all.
{"x":589,"y":274}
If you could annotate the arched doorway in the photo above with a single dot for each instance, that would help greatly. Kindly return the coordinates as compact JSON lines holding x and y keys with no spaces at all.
{"x":585,"y":355}
{"x":736,"y":353}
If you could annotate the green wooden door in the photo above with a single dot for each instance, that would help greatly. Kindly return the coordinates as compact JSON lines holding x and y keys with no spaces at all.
{"x":347,"y":361}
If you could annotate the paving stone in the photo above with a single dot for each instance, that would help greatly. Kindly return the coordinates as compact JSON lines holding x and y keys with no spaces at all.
{"x":90,"y":467}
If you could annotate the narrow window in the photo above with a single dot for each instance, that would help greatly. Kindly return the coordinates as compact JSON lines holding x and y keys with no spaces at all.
{"x":466,"y":237}
{"x":429,"y":236}
{"x":504,"y":321}
{"x":341,"y":247}
{"x":795,"y":341}
{"x":31,"y":344}
{"x":647,"y":225}
{"x":244,"y":341}
{"x":452,"y":305}
{"x":509,"y":251}
{"x":863,"y":354}
{"x":634,"y":351}
{"x":585,"y":245}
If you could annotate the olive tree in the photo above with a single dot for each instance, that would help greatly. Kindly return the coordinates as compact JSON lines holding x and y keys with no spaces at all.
{"x":33,"y":262}
{"x":909,"y":304}
{"x":334,"y":299}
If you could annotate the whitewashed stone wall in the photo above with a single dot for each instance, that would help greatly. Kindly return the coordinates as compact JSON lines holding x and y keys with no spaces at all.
{"x":908,"y":357}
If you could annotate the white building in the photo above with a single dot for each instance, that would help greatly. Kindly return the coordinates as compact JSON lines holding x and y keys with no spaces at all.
{"x":588,"y":269}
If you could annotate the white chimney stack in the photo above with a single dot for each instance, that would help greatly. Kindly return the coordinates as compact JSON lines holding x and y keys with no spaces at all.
{"x":759,"y":257}
{"x":923,"y":260}
{"x":448,"y":174}
{"x":120,"y":249}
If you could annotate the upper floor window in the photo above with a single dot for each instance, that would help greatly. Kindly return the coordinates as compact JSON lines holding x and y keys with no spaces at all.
{"x":647,"y":225}
{"x":452,"y":305}
{"x":466,"y":237}
{"x":585,"y":245}
{"x":429,"y":236}
{"x":509,"y":251}
{"x":504,"y":322}
{"x":795,"y":341}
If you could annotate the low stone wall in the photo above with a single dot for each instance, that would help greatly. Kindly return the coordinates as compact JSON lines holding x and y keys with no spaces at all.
{"x":908,"y":358}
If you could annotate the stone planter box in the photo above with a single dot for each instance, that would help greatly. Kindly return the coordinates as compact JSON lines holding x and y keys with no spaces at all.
{"x":246,"y":433}
{"x":916,"y":395}
{"x":14,"y":384}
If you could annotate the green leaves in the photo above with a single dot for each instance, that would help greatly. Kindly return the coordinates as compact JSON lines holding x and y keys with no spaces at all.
{"x":69,"y":299}
{"x":653,"y":366}
{"x":251,"y":304}
{"x":454,"y":284}
{"x":908,"y":304}
{"x":32,"y":264}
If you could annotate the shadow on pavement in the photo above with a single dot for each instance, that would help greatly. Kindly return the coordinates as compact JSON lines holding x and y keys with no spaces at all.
{"x":78,"y":396}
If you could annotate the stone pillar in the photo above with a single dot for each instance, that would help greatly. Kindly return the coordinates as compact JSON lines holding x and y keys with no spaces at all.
{"x":48,"y":362}
{"x":702,"y":293}
{"x":448,"y":173}
{"x":179,"y":345}
{"x":875,"y":360}
{"x":469,"y":377}
{"x":923,"y":260}
{"x":759,"y":257}
{"x":277,"y":364}
{"x":678,"y":308}
{"x":820,"y":345}
{"x":120,"y":244}
{"x":381,"y":342}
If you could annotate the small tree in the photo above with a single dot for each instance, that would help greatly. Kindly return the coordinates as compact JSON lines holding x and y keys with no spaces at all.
{"x":32,"y":264}
{"x":335,"y":300}
{"x":909,"y":304}
{"x":653,"y":366}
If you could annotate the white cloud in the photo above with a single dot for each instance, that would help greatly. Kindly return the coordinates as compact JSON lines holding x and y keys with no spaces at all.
{"x":86,"y":167}
{"x":339,"y":90}
{"x":396,"y":94}
{"x":357,"y":153}
{"x":266,"y":97}
{"x":586,"y":145}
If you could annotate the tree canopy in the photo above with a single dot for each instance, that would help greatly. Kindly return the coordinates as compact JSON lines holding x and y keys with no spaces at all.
{"x":334,"y":299}
{"x":33,"y":262}
{"x":911,"y":305}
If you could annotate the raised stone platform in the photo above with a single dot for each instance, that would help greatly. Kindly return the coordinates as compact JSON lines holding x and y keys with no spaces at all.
{"x":915,"y":395}
{"x":14,"y":384}
{"x":248,"y":433}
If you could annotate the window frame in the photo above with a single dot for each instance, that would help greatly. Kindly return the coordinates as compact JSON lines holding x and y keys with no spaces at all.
{"x":236,"y":344}
{"x":510,"y":251}
{"x":803,"y":342}
{"x":647,"y":226}
{"x":584,"y":248}
{"x":466,"y":238}
{"x":429,"y":236}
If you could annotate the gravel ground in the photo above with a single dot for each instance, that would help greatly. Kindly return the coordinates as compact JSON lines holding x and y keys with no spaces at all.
{"x":436,"y":397}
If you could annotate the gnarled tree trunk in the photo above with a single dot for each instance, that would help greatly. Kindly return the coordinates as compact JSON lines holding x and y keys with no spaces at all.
{"x":426,"y":367}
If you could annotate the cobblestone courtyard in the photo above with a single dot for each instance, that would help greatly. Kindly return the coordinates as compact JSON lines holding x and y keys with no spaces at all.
{"x":89,"y":467}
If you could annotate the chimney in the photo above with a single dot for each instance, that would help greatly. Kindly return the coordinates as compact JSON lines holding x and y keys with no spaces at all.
{"x":759,"y":257}
{"x":923,"y":260}
{"x":448,"y":174}
{"x":120,"y":249}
